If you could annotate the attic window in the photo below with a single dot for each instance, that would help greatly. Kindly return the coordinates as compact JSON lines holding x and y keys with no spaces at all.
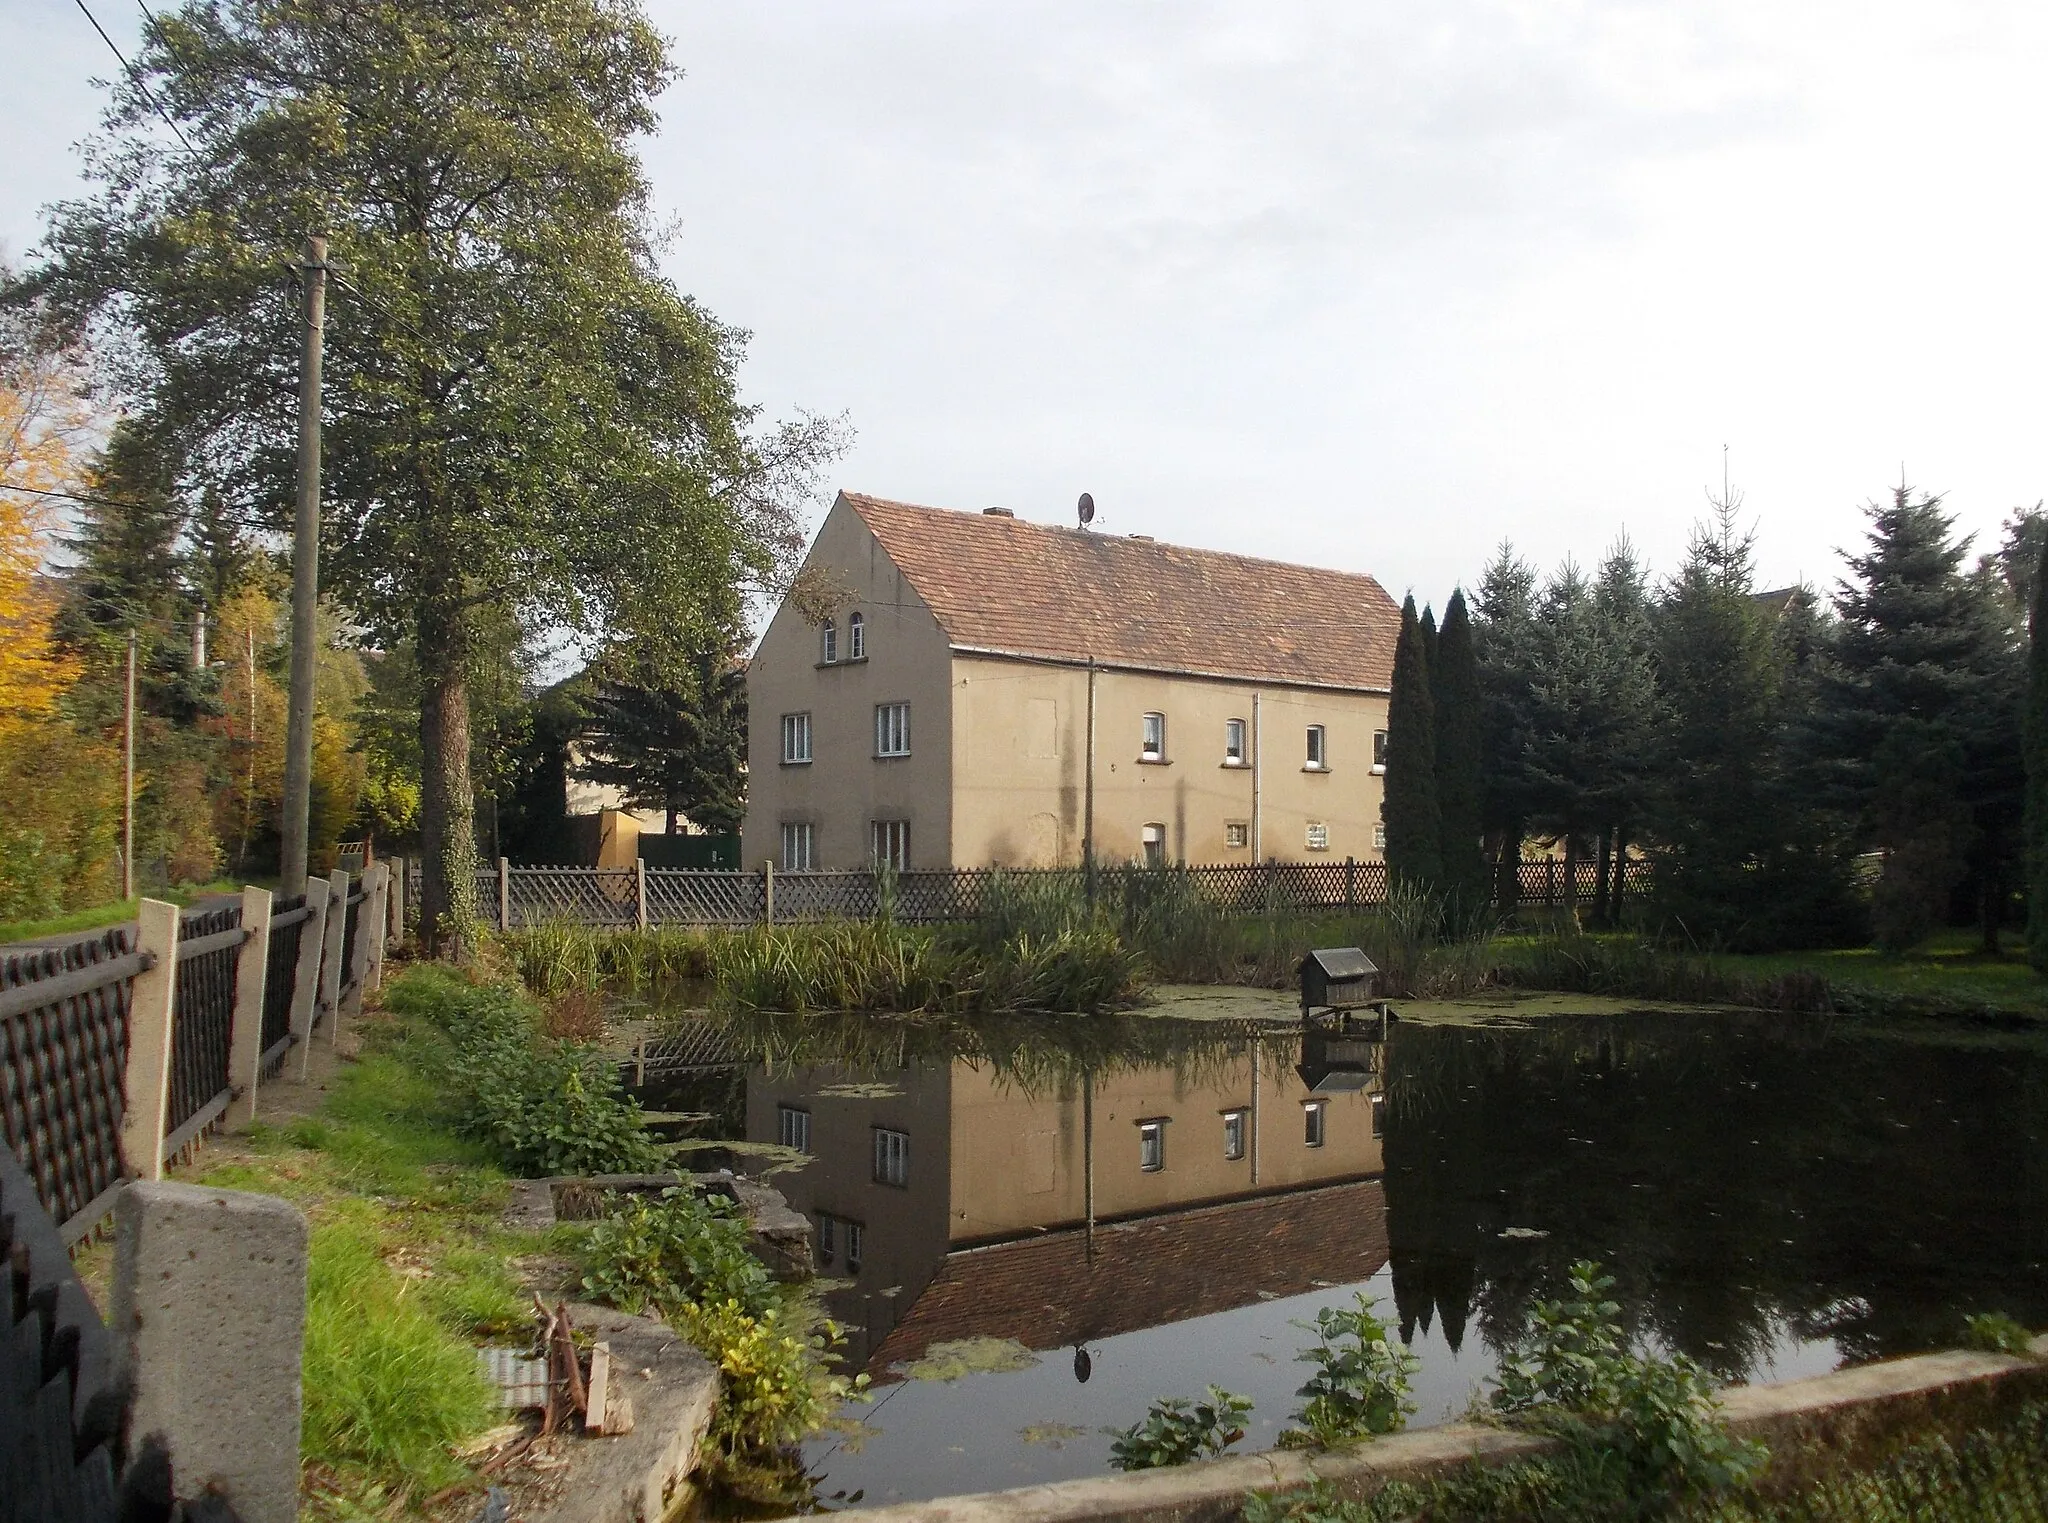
{"x":856,"y":638}
{"x":1155,"y":738}
{"x":828,"y":643}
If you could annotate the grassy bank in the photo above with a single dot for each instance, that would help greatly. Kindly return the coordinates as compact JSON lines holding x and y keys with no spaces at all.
{"x":114,"y":912}
{"x":1947,"y":978}
{"x":1040,"y":944}
{"x":403,"y":1172}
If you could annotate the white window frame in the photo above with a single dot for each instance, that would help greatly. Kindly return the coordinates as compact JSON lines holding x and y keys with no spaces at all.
{"x":1237,"y":835}
{"x":1233,"y":743}
{"x":892,"y":1157}
{"x":1236,"y":1133}
{"x":1152,"y":747}
{"x":828,"y":643}
{"x":1316,"y":745}
{"x":1379,"y":836}
{"x":796,"y":739}
{"x":889,"y":844}
{"x":1315,"y":1123}
{"x":856,"y":637}
{"x":828,"y":1240}
{"x":1379,"y":1115}
{"x":1379,"y":752}
{"x":1150,"y":835}
{"x":799,"y":846}
{"x":856,"y":1244}
{"x":1316,"y":837}
{"x":892,"y":729}
{"x":793,"y":1127}
{"x":1152,"y":1145}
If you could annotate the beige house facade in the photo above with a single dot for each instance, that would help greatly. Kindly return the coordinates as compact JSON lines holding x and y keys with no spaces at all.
{"x":986,"y":691}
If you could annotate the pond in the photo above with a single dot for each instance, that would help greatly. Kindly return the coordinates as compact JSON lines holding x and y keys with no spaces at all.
{"x":1034,"y":1228}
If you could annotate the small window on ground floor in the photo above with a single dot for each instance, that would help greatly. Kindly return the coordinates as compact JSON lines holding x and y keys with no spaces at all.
{"x":799,"y":846}
{"x":889,"y":844}
{"x":793,"y":1127}
{"x":1237,"y":833}
{"x":1313,"y":1116}
{"x":828,"y":1239}
{"x":856,"y":1245}
{"x":1153,"y":838}
{"x":1234,"y":1133}
{"x":1318,"y":836}
{"x":1152,"y":1146}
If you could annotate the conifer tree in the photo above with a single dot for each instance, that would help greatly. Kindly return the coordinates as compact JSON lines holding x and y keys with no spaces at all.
{"x":1455,"y":694}
{"x":1502,"y":638}
{"x":673,"y":746}
{"x":2036,"y":738}
{"x":1409,"y":805}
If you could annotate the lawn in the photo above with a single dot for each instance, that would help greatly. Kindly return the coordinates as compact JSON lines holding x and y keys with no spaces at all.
{"x":95,"y":916}
{"x":1951,"y":970}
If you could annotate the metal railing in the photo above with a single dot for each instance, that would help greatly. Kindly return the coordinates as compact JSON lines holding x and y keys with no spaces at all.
{"x":74,"y":1083}
{"x":511,"y":897}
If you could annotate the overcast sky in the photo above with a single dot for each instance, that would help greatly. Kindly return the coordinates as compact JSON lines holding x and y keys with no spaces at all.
{"x":1377,"y":285}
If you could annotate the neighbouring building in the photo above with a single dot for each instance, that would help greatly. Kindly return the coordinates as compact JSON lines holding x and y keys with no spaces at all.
{"x":973,"y":690}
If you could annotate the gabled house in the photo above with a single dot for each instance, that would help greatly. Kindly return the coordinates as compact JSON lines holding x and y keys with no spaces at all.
{"x":990,"y":691}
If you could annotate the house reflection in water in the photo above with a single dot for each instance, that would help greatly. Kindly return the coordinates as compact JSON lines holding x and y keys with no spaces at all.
{"x":958,"y":1204}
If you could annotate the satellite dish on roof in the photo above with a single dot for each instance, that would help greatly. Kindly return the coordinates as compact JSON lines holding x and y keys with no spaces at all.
{"x":1086,"y":508}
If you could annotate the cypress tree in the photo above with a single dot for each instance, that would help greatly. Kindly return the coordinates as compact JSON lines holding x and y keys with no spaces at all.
{"x":2036,"y":741}
{"x":1409,"y":806}
{"x":1455,"y":681}
{"x":1429,"y":643}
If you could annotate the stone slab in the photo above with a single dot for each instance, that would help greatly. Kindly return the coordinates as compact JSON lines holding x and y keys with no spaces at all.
{"x":638,"y":1477}
{"x":209,"y":1318}
{"x":1835,"y":1414}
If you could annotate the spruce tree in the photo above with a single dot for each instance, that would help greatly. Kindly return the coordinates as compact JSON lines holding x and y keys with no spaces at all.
{"x":671,"y":746}
{"x":1455,"y":684}
{"x":1919,"y":718}
{"x":1502,"y":638}
{"x":1409,"y":806}
{"x":2037,"y":769}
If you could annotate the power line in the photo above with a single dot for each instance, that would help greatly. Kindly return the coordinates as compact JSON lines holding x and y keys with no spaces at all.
{"x":142,"y":507}
{"x":135,"y":78}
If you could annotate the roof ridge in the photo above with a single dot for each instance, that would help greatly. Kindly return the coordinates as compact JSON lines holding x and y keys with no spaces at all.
{"x":1103,"y":538}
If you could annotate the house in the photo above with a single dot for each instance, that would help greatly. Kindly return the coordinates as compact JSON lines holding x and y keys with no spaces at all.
{"x":974,"y":689}
{"x":953,"y":1200}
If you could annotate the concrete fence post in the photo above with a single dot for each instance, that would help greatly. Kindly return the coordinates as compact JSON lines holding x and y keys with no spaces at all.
{"x":151,"y":1009}
{"x":208,"y":1321}
{"x":330,"y":950}
{"x":245,"y":1029}
{"x":768,"y":892}
{"x":504,"y":894}
{"x":357,"y":974}
{"x":375,"y":913}
{"x":640,"y":890}
{"x":394,"y":921}
{"x":306,"y":973}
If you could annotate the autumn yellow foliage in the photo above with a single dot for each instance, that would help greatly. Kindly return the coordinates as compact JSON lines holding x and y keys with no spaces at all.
{"x":61,"y":788}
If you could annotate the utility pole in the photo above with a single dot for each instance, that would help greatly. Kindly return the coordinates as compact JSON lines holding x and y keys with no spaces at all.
{"x":128,"y":780}
{"x":298,"y":734}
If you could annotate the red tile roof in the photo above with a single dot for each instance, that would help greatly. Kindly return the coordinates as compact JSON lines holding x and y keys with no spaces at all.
{"x":1046,"y":1293}
{"x":1020,"y":588}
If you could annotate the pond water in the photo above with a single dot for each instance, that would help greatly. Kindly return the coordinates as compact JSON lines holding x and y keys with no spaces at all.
{"x":1073,"y":1218}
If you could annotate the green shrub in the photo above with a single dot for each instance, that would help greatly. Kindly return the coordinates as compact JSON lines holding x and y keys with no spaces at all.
{"x":1177,"y":1430}
{"x":1572,"y":1375}
{"x":676,"y":1248}
{"x":542,"y":1106}
{"x":1360,"y":1387}
{"x":776,"y":1388}
{"x":1995,"y":1333}
{"x":386,"y":1385}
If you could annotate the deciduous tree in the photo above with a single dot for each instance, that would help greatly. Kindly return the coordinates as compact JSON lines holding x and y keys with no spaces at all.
{"x":525,"y":418}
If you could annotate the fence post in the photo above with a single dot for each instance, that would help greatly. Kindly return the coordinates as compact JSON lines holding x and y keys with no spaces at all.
{"x":356,"y":974}
{"x":151,"y":1009}
{"x":504,"y":894}
{"x":208,"y":1319}
{"x":330,"y":951}
{"x":306,"y":975}
{"x":1351,"y":883}
{"x":768,"y":891}
{"x":245,"y":1026}
{"x":640,"y":890}
{"x":1550,"y":883}
{"x":376,"y":910}
{"x":394,"y":905}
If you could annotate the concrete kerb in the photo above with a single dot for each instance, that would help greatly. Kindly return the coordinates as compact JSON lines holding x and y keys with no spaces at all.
{"x":1822,"y":1422}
